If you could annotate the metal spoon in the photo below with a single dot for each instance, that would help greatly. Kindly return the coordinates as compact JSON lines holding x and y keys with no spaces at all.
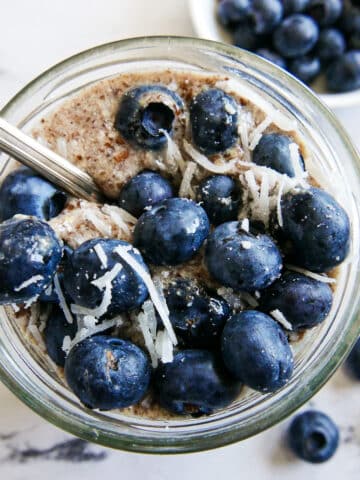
{"x":44,"y":161}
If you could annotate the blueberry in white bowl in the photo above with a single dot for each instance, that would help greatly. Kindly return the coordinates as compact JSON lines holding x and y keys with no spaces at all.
{"x":30,"y":253}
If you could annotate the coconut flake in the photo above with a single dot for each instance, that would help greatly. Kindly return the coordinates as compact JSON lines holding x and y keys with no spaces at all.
{"x":263,"y":202}
{"x":61,"y":147}
{"x":296,"y":161}
{"x":108,"y":277}
{"x":232,"y":298}
{"x":97,"y":311}
{"x":30,"y":301}
{"x":101,"y":255}
{"x":308,"y":273}
{"x":15,"y":307}
{"x":280,"y":317}
{"x":278,"y":204}
{"x":30,"y":281}
{"x":249,"y":299}
{"x":154,"y":294}
{"x":185,"y":189}
{"x":205,"y":162}
{"x":104,"y":228}
{"x":245,"y":224}
{"x":164,"y":347}
{"x":246,"y":244}
{"x":257,"y":133}
{"x":173,"y":156}
{"x":147,"y":323}
{"x":63,"y":305}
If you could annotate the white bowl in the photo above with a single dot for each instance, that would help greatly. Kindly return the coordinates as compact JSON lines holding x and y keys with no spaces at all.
{"x":206,"y":26}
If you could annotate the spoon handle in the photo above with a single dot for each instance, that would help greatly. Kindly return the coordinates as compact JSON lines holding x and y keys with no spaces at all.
{"x":44,"y":161}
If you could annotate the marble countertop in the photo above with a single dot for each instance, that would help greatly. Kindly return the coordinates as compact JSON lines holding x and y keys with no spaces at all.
{"x":34,"y":35}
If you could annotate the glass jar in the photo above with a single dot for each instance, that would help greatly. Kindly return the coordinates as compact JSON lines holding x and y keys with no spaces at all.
{"x":321,"y":351}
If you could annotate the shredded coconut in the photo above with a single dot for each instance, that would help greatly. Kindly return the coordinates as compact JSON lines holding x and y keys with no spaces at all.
{"x":249,"y":299}
{"x":308,"y":273}
{"x":246,"y":244}
{"x":147,"y":323}
{"x":205,"y":162}
{"x":279,"y":317}
{"x":99,"y":224}
{"x":15,"y":307}
{"x":185,"y":189}
{"x":164,"y":347}
{"x":31,"y":301}
{"x":97,"y":311}
{"x":278,"y":204}
{"x":63,"y":305}
{"x":233,"y":299}
{"x":257,"y":133}
{"x":108,"y":277}
{"x":154,"y":294}
{"x":295,"y":160}
{"x":173,"y":157}
{"x":30,"y":281}
{"x":245,"y":224}
{"x":101,"y":255}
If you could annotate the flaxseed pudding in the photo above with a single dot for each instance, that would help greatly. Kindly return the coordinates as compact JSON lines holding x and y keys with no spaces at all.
{"x":215,"y":249}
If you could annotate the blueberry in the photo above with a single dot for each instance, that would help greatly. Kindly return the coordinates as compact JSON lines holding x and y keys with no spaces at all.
{"x":144,"y":190}
{"x":313,"y":436}
{"x":195,"y":382}
{"x":171,"y":232}
{"x":244,"y":37}
{"x":213,"y":120}
{"x":317,"y":227}
{"x":331,"y":44}
{"x":233,"y":12}
{"x":353,"y":361}
{"x":349,"y":22}
{"x":107,"y":373}
{"x":241,"y":260}
{"x":303,"y":301}
{"x":25,"y":192}
{"x":144,"y":112}
{"x":273,"y":151}
{"x":294,"y":6}
{"x":343,"y":75}
{"x":57,"y":328}
{"x":197,"y":316}
{"x":49,"y":295}
{"x":256,"y":351}
{"x":296,"y":36}
{"x":305,"y":68}
{"x":220,"y":197}
{"x":83,"y":267}
{"x":265,"y":15}
{"x":29,"y":252}
{"x":325,"y":12}
{"x":271,"y":57}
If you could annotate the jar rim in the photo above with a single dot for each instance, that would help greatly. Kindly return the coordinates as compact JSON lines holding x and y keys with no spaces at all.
{"x":76,"y":419}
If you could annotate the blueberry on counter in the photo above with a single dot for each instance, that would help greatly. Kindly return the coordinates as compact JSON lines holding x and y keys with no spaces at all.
{"x":242,"y":260}
{"x":313,"y":436}
{"x":220,"y":197}
{"x":25,"y":192}
{"x":57,"y":328}
{"x":171,"y":232}
{"x":197,"y":316}
{"x":353,"y":360}
{"x":29,"y":256}
{"x":213,"y":120}
{"x":294,"y":6}
{"x":305,"y":68}
{"x":256,"y":351}
{"x":343,"y":74}
{"x":195,"y":382}
{"x":145,"y":112}
{"x":106,"y":372}
{"x":83,"y":271}
{"x":317,"y":227}
{"x":303,"y":301}
{"x":331,"y":44}
{"x":272,"y":56}
{"x":233,"y":12}
{"x":325,"y":12}
{"x":296,"y":35}
{"x":273,"y":151}
{"x":144,"y":190}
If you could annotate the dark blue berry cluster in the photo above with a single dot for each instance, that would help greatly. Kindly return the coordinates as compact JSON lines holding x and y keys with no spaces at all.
{"x":306,"y":37}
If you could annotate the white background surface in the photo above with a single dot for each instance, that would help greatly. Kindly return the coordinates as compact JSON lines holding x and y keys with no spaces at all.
{"x":35,"y":34}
